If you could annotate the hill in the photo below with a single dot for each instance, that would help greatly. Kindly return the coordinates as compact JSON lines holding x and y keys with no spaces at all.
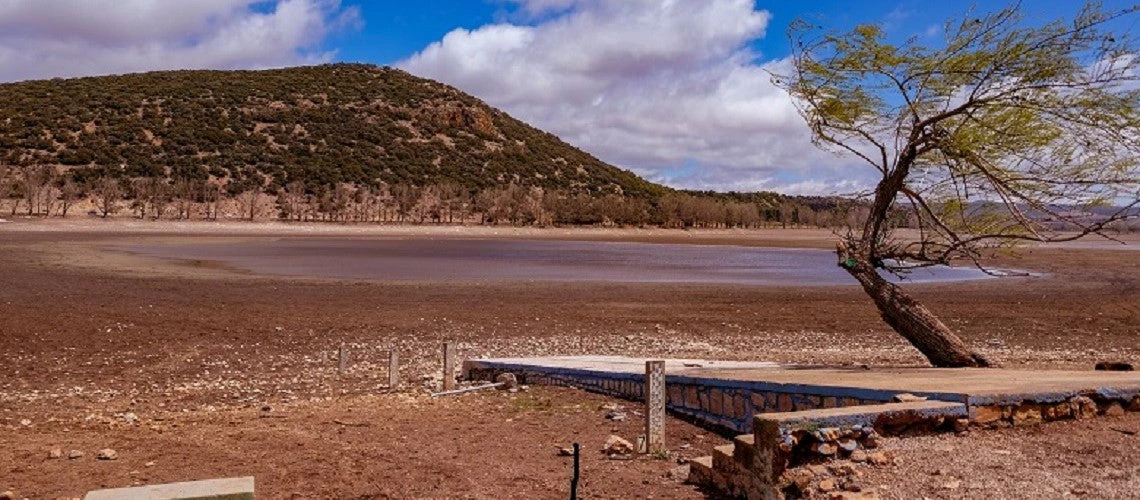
{"x":322,"y":125}
{"x":341,"y":142}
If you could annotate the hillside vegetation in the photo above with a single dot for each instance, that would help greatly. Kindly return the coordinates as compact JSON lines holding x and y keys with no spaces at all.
{"x":336,"y":142}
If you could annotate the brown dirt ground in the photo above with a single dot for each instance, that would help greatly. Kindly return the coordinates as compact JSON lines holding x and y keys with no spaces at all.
{"x":196,"y":352}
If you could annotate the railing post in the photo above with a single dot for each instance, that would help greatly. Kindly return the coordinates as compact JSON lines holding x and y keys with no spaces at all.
{"x":655,"y":406}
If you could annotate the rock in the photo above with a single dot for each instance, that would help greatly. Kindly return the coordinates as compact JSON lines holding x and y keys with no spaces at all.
{"x":1135,"y":405}
{"x":615,"y":445}
{"x":25,"y":422}
{"x":148,"y":464}
{"x":1083,"y":407}
{"x":817,"y":470}
{"x":1114,"y":366}
{"x":1114,"y":410}
{"x":798,"y":480}
{"x":8,"y":495}
{"x":130,"y":418}
{"x":508,"y":380}
{"x":879,"y":458}
{"x":859,"y":456}
{"x":907,"y":397}
{"x":616,"y":415}
{"x":1027,"y":414}
{"x":565,"y":452}
{"x":55,"y":453}
{"x":824,"y":448}
{"x":107,"y":454}
{"x":871,"y":441}
{"x":849,"y":484}
{"x":74,"y":454}
{"x":953,"y":484}
{"x":842,"y":470}
{"x":827,"y":485}
{"x":961,"y":425}
{"x":986,"y":415}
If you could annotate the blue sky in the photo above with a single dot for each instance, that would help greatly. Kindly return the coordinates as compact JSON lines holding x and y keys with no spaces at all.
{"x":679,"y":91}
{"x":392,"y":30}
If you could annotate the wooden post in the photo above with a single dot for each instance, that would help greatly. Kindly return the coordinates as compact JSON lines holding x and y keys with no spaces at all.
{"x":448,"y":366}
{"x":655,"y":406}
{"x":342,"y":366}
{"x":393,"y":370}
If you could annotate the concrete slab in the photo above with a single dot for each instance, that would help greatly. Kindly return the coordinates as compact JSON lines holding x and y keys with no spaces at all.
{"x":236,"y":488}
{"x":864,"y":415}
{"x":970,"y":385}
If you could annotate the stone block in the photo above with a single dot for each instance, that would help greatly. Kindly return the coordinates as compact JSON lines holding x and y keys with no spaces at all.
{"x":704,"y":401}
{"x":692,"y":397}
{"x":1026,"y":413}
{"x":758,"y":405}
{"x":986,"y":415}
{"x":1135,"y":404}
{"x":1057,"y":411}
{"x":716,"y":401}
{"x":676,"y":396}
{"x":1113,"y":409}
{"x":830,"y":402}
{"x":845,"y":402}
{"x":238,"y":488}
{"x":739,"y":409}
{"x":784,"y":403}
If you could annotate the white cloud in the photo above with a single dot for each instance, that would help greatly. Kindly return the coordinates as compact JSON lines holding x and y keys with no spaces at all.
{"x":667,"y":88}
{"x":60,"y":38}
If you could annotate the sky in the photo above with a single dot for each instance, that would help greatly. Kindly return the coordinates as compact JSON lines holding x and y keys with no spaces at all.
{"x":678,"y":91}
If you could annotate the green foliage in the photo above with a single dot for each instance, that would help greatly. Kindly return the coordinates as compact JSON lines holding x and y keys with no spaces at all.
{"x":323,"y":125}
{"x":1005,"y":132}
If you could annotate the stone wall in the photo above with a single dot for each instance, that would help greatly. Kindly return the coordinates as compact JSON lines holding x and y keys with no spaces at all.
{"x":728,"y":405}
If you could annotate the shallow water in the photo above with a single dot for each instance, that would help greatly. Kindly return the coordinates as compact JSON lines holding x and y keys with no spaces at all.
{"x":529,"y":260}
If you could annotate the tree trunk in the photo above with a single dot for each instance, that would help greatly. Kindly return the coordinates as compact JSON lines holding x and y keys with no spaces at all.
{"x":912,"y":320}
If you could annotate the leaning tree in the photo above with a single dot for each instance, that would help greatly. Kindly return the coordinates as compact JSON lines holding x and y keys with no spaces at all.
{"x":1006,"y":132}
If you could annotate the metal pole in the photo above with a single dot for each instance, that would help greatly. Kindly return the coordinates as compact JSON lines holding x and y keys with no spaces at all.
{"x":574,"y":480}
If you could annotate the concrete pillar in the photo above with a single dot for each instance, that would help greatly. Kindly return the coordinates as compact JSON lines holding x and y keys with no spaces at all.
{"x":448,"y":366}
{"x":393,"y":370}
{"x":342,"y":358}
{"x":655,"y":406}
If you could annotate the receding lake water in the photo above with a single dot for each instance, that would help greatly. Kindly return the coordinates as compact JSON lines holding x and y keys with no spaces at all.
{"x":528,"y":260}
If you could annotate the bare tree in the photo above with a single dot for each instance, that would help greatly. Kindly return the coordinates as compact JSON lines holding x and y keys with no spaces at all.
{"x":107,"y":192}
{"x":983,"y":138}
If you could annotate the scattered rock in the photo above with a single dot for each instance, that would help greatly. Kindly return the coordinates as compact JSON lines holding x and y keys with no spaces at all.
{"x":843,"y":470}
{"x":25,"y":422}
{"x":74,"y":454}
{"x":798,"y":481}
{"x":509,"y":381}
{"x":953,"y":484}
{"x":961,"y":425}
{"x":107,"y":454}
{"x":827,"y":485}
{"x":130,"y":418}
{"x":616,"y":415}
{"x":859,"y":456}
{"x":1114,"y":410}
{"x":148,"y":464}
{"x":848,"y":484}
{"x":879,"y":458}
{"x":817,"y":470}
{"x":871,"y":441}
{"x":615,"y":445}
{"x":55,"y":453}
{"x":907,"y":397}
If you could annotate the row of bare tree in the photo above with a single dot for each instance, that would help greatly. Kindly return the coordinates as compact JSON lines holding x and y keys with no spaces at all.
{"x":43,"y":190}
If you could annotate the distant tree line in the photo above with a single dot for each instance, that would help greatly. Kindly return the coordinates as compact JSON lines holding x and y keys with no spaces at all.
{"x":51,"y":190}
